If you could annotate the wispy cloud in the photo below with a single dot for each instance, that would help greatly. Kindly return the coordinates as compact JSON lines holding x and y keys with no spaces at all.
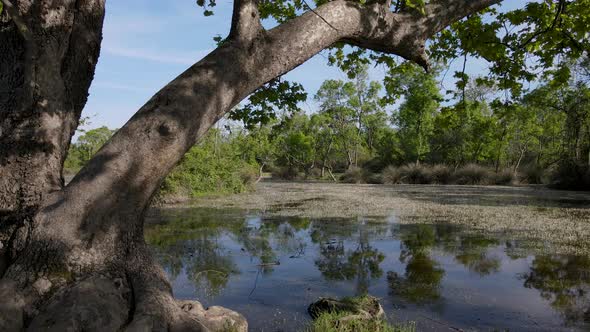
{"x":123,"y":87}
{"x":183,"y":58}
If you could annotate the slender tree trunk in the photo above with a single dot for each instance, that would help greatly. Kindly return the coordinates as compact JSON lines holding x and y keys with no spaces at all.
{"x":260,"y":172}
{"x":331,"y":174}
{"x":522,"y":152}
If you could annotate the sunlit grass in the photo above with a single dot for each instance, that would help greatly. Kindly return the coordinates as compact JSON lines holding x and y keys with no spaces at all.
{"x":333,"y":322}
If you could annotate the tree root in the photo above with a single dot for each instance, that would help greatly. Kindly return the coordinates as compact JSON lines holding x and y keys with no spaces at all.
{"x":137,"y":299}
{"x":157,"y":310}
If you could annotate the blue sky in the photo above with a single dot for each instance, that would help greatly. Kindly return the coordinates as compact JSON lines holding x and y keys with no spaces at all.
{"x":147,"y":43}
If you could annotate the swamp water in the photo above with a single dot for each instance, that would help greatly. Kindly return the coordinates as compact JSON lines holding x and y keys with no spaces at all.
{"x":442,"y":277}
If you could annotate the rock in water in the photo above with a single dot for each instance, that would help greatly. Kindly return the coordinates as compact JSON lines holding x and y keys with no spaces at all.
{"x":216,"y":318}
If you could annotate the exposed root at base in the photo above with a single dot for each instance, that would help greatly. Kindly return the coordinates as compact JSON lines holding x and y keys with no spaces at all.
{"x":138,"y":300}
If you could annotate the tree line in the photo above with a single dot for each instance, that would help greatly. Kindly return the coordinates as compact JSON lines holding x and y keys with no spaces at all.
{"x":355,"y":135}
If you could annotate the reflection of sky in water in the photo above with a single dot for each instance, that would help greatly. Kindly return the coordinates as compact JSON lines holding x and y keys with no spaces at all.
{"x":271,"y":269}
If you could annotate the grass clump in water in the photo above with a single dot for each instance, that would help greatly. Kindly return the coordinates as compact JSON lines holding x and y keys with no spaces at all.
{"x":362,"y":314}
{"x":338,"y":322}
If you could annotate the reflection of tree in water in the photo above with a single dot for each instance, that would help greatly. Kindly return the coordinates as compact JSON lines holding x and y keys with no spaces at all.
{"x":264,"y":240}
{"x":193,"y":242}
{"x":470,"y":250}
{"x":564,"y":281}
{"x":423,"y":275}
{"x":360,"y":264}
{"x":421,"y":280}
{"x":209,"y":267}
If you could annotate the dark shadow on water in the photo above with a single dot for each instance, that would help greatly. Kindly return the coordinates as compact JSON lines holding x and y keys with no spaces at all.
{"x":270,"y":269}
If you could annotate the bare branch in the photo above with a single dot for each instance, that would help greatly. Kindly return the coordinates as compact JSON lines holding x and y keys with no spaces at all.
{"x":246,"y":20}
{"x":18,"y":20}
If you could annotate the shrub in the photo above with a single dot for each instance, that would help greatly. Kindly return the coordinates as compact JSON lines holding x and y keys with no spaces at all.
{"x":315,"y":173}
{"x":532,"y":174}
{"x":505,"y":177}
{"x":210,"y":167}
{"x":415,"y":174}
{"x":441,"y":174}
{"x":472,"y":174}
{"x":571,"y":175}
{"x":249,"y":175}
{"x":353,"y":175}
{"x":391,"y":175}
{"x":286,"y":173}
{"x":373,"y":178}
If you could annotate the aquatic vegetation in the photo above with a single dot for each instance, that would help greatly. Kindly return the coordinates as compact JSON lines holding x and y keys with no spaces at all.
{"x":560,"y":218}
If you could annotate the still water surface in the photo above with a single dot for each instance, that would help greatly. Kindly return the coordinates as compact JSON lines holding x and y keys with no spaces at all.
{"x":441,"y":276}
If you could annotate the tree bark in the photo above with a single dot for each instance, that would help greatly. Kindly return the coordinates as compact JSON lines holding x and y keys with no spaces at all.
{"x":48,"y":52}
{"x":76,"y":255}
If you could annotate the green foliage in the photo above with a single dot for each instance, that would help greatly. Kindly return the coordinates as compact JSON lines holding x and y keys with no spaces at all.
{"x":353,"y":112}
{"x":493,"y":120}
{"x":265,"y":102}
{"x":415,"y":117}
{"x":207,"y":6}
{"x":571,"y":175}
{"x":85,"y":147}
{"x":484,"y":141}
{"x":214,"y":166}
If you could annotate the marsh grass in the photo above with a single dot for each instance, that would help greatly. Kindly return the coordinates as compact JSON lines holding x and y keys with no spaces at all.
{"x":505,"y":177}
{"x":441,"y":174}
{"x":472,"y":174}
{"x":333,"y":322}
{"x":559,"y":219}
{"x":353,"y":175}
{"x":391,"y":175}
{"x":346,"y":319}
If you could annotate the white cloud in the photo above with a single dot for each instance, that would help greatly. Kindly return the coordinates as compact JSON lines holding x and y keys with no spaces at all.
{"x":123,"y":87}
{"x":184,"y":58}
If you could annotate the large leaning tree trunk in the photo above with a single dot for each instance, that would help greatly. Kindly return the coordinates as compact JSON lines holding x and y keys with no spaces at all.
{"x":74,"y":257}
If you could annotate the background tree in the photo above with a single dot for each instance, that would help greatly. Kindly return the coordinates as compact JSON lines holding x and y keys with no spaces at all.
{"x":415,"y":117}
{"x":86,"y":146}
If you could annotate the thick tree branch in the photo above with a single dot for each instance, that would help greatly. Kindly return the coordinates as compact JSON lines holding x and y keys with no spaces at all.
{"x":245,"y":20}
{"x":133,"y":163}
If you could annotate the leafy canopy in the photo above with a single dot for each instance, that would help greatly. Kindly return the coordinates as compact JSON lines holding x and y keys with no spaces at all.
{"x":539,"y":40}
